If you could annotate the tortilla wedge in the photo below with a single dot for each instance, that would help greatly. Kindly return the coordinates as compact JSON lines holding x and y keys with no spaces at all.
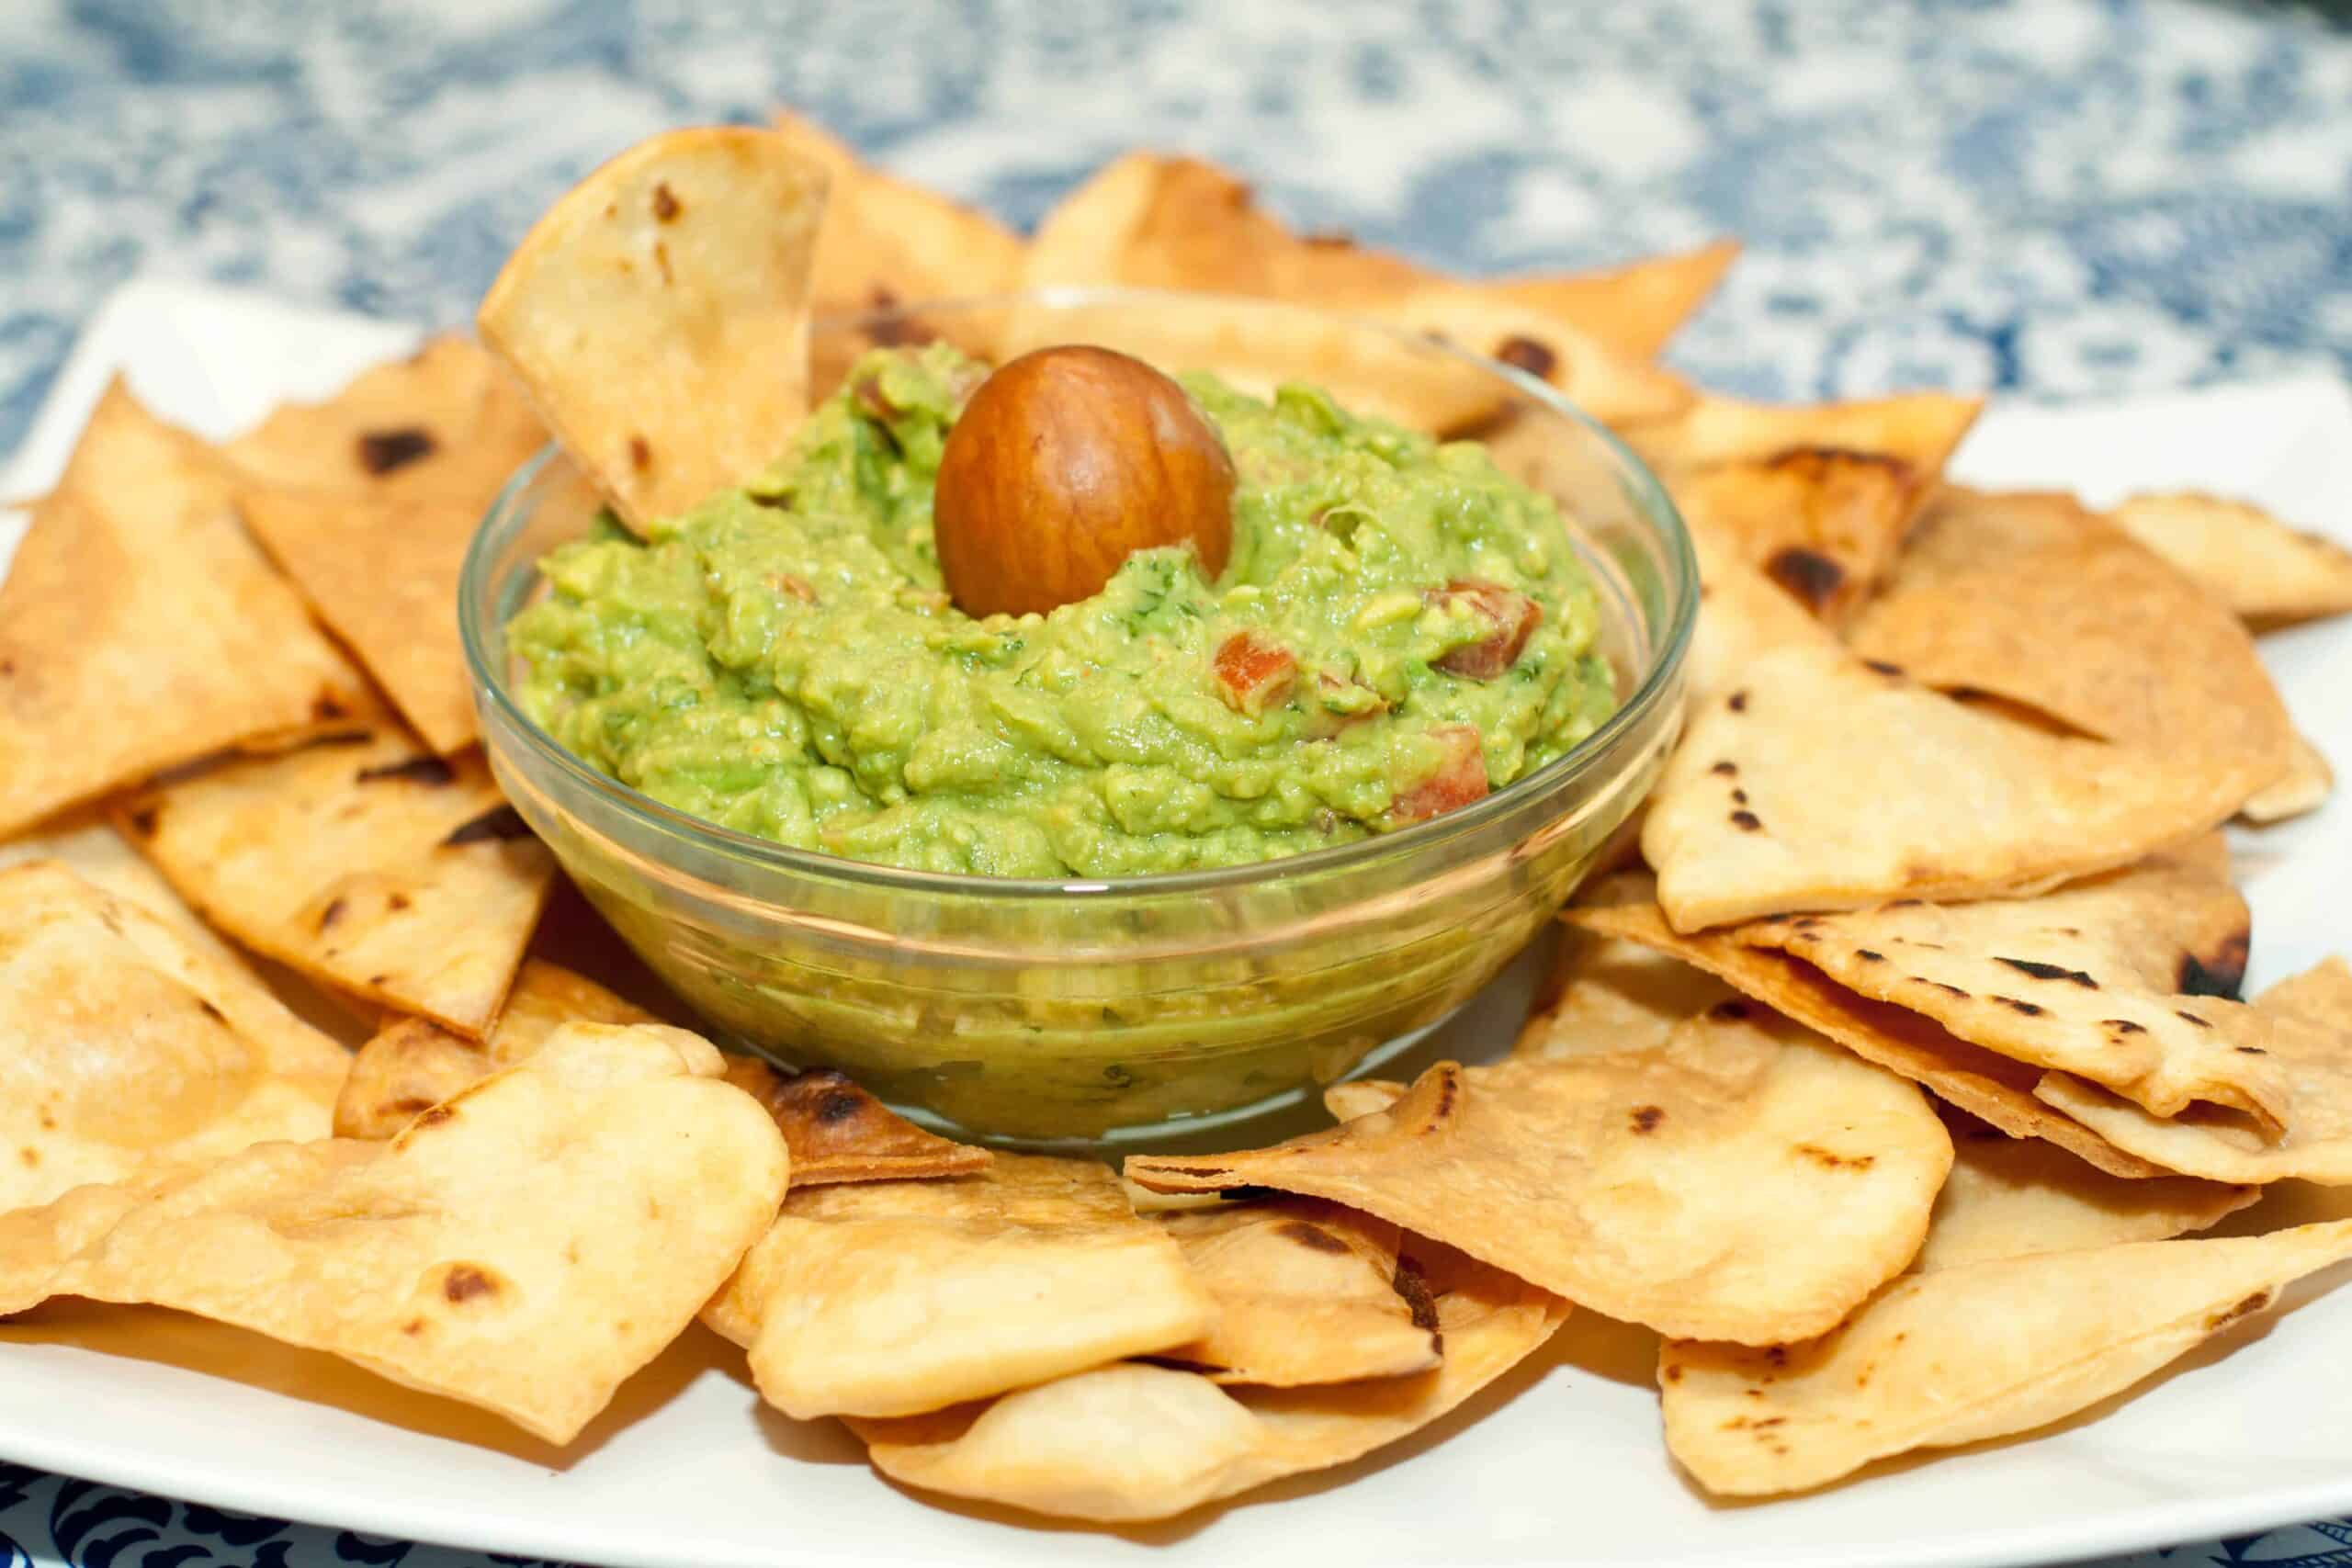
{"x":1609,"y":994}
{"x":1655,"y":1187}
{"x":1125,"y":1443}
{"x":1742,"y":616}
{"x":840,"y":1133}
{"x":524,"y":1248}
{"x":658,"y":313}
{"x":1967,"y":1353}
{"x":2303,"y":788}
{"x":1635,"y":307}
{"x":140,"y":629}
{"x":1821,"y":782}
{"x":2266,"y":572}
{"x":1919,"y":429}
{"x":1825,"y":524}
{"x":394,"y":875}
{"x":86,"y":844}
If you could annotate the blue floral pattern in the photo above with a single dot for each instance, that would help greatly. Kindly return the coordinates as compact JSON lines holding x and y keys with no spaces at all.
{"x":2052,"y":197}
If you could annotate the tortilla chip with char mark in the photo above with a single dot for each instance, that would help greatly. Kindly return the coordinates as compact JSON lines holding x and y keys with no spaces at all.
{"x":840,"y":1133}
{"x":1919,"y":429}
{"x":393,"y":875}
{"x":658,"y":313}
{"x":140,"y":629}
{"x":1825,"y":524}
{"x":2267,"y":573}
{"x":1742,"y":616}
{"x":1655,"y":1185}
{"x":1120,"y":1444}
{"x":524,"y":1248}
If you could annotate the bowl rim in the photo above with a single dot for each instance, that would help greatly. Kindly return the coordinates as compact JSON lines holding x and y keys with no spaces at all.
{"x":1656,"y":682}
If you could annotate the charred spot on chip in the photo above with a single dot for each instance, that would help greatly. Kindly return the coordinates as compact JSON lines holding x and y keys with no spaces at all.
{"x":8,"y":667}
{"x":1870,"y":955}
{"x":2252,"y":1051}
{"x":1813,"y":578}
{"x":2247,"y":1308}
{"x":1739,"y":797}
{"x":2041,"y":971}
{"x":1737,"y":702}
{"x":2122,"y":1026}
{"x":144,"y":819}
{"x":837,"y":1105}
{"x":2028,"y":1010}
{"x":666,"y":205}
{"x":1726,"y":769}
{"x":640,"y":453}
{"x":2220,"y":975}
{"x":1410,"y":1283}
{"x":1526,"y":354}
{"x":1882,"y":667}
{"x":325,"y":708}
{"x":435,"y":1115}
{"x":414,"y":769}
{"x":330,"y":914}
{"x":397,"y":902}
{"x":214,"y":1013}
{"x":1670,"y":1372}
{"x":1906,"y":903}
{"x":1747,"y":821}
{"x":383,"y":451}
{"x":1312,"y":1237}
{"x":1946,"y":989}
{"x":464,"y":1282}
{"x":1729,"y":1013}
{"x":2192,"y":1017}
{"x":1646,"y":1118}
{"x":1830,"y":1159}
{"x":413,"y":1325}
{"x":498,"y":822}
{"x":1449,"y":1091}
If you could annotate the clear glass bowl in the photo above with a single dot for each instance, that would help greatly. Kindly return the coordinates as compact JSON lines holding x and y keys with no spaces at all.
{"x":1051,"y":1010}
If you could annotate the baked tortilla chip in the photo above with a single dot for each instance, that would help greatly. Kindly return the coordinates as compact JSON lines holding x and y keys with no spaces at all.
{"x":1823,"y":524}
{"x":85,"y":843}
{"x":2301,"y":1029}
{"x":1990,"y":1086}
{"x":658,"y":314}
{"x":1610,"y":995}
{"x":840,"y":1133}
{"x":891,"y":1298}
{"x":1968,"y":1353}
{"x":1746,"y":1180}
{"x":887,"y":242}
{"x":2304,"y":787}
{"x":524,"y":1248}
{"x":2009,"y":1197}
{"x":1610,"y":385}
{"x":125,"y":1049}
{"x":1634,"y":308}
{"x":1126,"y":1443}
{"x":1820,"y":782}
{"x":139,"y":627}
{"x":1920,"y":429}
{"x":393,"y":875}
{"x":2264,"y":570}
{"x":1741,"y":616}
{"x":2031,"y":599}
{"x":2112,"y":978}
{"x":1305,"y":1293}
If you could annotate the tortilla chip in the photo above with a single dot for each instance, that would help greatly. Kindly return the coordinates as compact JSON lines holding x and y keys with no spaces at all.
{"x":1920,"y":429}
{"x":1741,"y":616}
{"x":1634,"y":308}
{"x":1746,"y":1180}
{"x":1610,"y":385}
{"x":887,"y":242}
{"x":1989,"y":1086}
{"x":1820,"y":782}
{"x":1305,"y":1293}
{"x":400,"y":877}
{"x":524,"y":1248}
{"x":2031,"y":599}
{"x":125,"y":1049}
{"x":1968,"y":1353}
{"x":840,"y":1133}
{"x":1126,"y":1443}
{"x":1823,"y":524}
{"x":1611,"y":994}
{"x":2303,"y":788}
{"x":141,"y":628}
{"x":891,"y":1298}
{"x":85,"y":843}
{"x":2264,"y":570}
{"x":2009,"y":1197}
{"x":658,"y":314}
{"x":2302,"y":1027}
{"x":2112,"y":978}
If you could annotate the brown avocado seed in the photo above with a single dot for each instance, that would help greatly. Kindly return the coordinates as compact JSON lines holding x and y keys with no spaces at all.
{"x":1065,"y":462}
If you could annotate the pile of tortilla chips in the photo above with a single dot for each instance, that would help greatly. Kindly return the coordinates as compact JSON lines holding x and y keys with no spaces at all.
{"x":1887,"y":1090}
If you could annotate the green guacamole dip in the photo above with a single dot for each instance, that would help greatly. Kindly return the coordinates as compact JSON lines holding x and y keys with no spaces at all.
{"x":1400,"y":628}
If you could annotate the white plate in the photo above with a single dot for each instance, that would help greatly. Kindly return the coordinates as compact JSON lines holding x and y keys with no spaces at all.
{"x":1560,"y":1462}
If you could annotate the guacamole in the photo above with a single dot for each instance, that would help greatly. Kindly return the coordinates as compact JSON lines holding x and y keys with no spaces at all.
{"x":1400,"y":628}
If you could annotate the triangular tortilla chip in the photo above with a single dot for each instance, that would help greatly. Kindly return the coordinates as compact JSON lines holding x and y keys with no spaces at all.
{"x":891,"y":1298}
{"x":1992,"y":1086}
{"x":1968,"y":1353}
{"x":1823,"y":524}
{"x":86,"y":844}
{"x":524,"y":1248}
{"x":1634,"y":308}
{"x":1127,"y":1443}
{"x":2112,"y":978}
{"x":1658,"y":1187}
{"x":398,"y":876}
{"x":2264,"y":570}
{"x":1920,"y":429}
{"x":1610,"y":385}
{"x":1820,"y":782}
{"x":2304,"y":787}
{"x":840,"y":1133}
{"x":2031,"y":599}
{"x":1741,"y":616}
{"x":2009,"y":1197}
{"x":125,"y":1049}
{"x":889,"y":241}
{"x":2303,"y":1029}
{"x":658,"y":314}
{"x":141,"y":628}
{"x":1611,"y":994}
{"x":1305,"y":1293}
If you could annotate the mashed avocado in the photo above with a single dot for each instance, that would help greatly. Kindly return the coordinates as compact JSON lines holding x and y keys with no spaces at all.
{"x":1401,"y":627}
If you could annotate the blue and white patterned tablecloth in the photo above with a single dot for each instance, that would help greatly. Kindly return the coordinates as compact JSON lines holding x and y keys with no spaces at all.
{"x":2055,"y":197}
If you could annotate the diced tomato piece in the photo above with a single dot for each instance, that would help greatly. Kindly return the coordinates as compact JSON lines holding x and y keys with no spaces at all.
{"x":1460,"y":779}
{"x":793,"y":586}
{"x":1252,"y":675}
{"x":1515,"y":618}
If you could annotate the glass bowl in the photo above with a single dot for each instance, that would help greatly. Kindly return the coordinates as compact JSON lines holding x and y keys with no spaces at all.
{"x":1050,"y":1010}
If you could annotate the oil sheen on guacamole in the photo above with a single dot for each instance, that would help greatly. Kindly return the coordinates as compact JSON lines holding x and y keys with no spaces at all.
{"x":1401,"y":629}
